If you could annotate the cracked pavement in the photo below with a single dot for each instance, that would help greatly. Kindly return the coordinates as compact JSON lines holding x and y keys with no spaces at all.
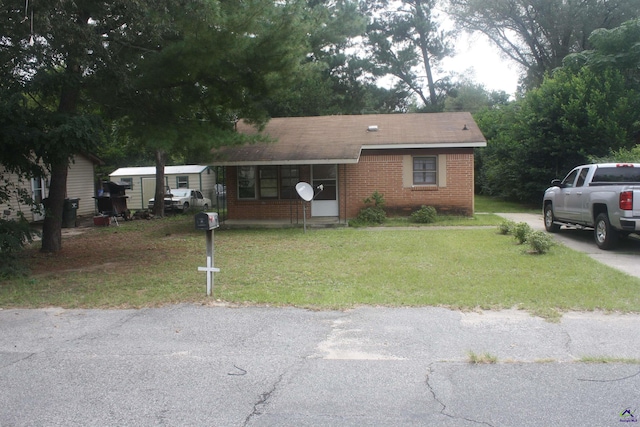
{"x":261,"y":366}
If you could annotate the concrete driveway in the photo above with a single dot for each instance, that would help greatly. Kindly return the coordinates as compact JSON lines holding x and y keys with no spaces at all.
{"x":626,"y":257}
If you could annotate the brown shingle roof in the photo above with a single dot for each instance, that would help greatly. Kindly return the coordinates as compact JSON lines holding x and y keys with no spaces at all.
{"x":340,"y":139}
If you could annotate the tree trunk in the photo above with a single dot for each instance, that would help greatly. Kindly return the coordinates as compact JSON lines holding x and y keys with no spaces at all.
{"x":158,"y":205}
{"x":52,"y":226}
{"x":59,"y":158}
{"x":424,"y":43}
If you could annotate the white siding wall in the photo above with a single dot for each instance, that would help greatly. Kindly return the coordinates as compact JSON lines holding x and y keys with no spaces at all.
{"x":80,"y":185}
{"x":12,"y":205}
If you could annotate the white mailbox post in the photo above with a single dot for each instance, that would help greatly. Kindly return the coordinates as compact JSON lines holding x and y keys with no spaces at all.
{"x":208,"y":221}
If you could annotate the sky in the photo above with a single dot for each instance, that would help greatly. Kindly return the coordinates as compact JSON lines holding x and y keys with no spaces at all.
{"x":476,"y":54}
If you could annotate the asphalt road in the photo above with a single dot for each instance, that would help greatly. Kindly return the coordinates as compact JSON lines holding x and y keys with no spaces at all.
{"x":189,"y":365}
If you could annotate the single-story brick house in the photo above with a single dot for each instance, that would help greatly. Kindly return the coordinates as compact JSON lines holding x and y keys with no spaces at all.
{"x":411,"y":159}
{"x":80,"y":185}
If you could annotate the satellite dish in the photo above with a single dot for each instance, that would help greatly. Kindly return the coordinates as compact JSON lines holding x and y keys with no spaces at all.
{"x":305,"y":191}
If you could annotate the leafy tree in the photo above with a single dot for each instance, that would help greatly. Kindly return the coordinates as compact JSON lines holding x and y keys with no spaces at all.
{"x":46,"y":53}
{"x":172,"y":75}
{"x":538,"y":34}
{"x":617,"y":48}
{"x":473,"y":97}
{"x":570,"y":117}
{"x":183,"y":97}
{"x":331,"y":78}
{"x":404,"y":40}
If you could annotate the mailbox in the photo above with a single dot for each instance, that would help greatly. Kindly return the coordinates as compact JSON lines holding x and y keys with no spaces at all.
{"x":207,"y":221}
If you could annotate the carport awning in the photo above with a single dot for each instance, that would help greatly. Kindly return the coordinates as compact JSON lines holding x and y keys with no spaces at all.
{"x":341,"y":139}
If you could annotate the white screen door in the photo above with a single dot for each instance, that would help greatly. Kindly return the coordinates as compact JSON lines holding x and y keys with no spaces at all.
{"x":326,"y":202}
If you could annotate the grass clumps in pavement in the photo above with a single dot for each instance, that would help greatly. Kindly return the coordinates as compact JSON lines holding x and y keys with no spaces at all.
{"x":605,"y":359}
{"x":481,"y":359}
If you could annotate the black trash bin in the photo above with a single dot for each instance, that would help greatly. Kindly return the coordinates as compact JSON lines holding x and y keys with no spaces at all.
{"x":70,"y":213}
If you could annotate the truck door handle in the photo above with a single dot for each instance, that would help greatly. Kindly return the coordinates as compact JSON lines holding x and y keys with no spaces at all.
{"x":579,"y":193}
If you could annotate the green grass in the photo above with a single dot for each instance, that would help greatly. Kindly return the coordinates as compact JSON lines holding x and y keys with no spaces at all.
{"x":480,"y":220}
{"x":493,"y":205}
{"x":605,"y":359}
{"x":482,"y":359}
{"x":150,"y":263}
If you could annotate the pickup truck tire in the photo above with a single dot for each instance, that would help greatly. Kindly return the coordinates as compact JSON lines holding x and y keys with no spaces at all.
{"x":549,"y":219}
{"x":185,"y":207}
{"x":606,"y":237}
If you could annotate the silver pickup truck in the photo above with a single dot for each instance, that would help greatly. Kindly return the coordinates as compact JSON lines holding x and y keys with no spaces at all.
{"x":605,"y":197}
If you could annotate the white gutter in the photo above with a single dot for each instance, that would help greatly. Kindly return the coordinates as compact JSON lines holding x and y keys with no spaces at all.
{"x":409,"y":146}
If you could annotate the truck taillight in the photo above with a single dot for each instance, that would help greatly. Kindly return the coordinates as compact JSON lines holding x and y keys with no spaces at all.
{"x":626,"y":200}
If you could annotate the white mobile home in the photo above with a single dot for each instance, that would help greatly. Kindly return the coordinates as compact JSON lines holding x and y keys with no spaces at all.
{"x":80,"y":185}
{"x":142,"y":181}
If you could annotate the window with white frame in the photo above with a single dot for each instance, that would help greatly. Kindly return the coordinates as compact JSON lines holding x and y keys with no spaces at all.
{"x":182,"y":181}
{"x":425,"y":170}
{"x":128,"y":182}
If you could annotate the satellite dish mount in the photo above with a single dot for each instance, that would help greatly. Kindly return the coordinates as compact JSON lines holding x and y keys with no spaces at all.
{"x":306,"y":193}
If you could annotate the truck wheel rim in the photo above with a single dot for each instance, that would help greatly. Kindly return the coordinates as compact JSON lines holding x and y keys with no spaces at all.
{"x":548,"y":218}
{"x":601,"y":232}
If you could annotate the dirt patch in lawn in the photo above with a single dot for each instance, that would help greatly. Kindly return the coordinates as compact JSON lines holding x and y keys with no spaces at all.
{"x":88,"y":248}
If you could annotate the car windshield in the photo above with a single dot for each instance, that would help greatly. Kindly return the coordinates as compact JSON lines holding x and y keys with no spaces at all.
{"x":180,"y":192}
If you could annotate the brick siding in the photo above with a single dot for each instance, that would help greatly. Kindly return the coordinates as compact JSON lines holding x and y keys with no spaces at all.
{"x":378,"y":171}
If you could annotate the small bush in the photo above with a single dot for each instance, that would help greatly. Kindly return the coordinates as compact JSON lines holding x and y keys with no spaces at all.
{"x":425,"y":215}
{"x":372,"y":214}
{"x":376,"y":199}
{"x":521,"y":232}
{"x":540,"y":242}
{"x":506,"y":227}
{"x":13,"y":236}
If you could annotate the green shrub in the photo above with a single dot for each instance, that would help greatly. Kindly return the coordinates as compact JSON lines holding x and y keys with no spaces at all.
{"x":425,"y":215}
{"x":376,"y":199}
{"x":521,"y":232}
{"x":506,"y":227}
{"x":13,"y":236}
{"x":372,"y":214}
{"x":540,"y":242}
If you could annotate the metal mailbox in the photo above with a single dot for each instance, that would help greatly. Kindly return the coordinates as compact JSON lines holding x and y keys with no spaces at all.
{"x":207,"y":221}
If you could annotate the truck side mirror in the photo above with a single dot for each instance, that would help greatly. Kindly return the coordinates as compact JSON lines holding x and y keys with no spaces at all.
{"x":556,"y":183}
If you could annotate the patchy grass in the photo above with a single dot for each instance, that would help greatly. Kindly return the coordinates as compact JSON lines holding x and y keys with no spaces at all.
{"x":605,"y":359}
{"x":151,"y":263}
{"x":481,"y":359}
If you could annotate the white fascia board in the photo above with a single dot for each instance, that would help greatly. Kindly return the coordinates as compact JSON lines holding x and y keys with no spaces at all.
{"x":287,"y":162}
{"x":408,"y":146}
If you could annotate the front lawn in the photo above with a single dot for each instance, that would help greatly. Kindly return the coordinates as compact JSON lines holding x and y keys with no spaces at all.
{"x":150,"y":263}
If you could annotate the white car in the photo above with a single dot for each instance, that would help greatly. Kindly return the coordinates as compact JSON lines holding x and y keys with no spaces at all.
{"x":182,"y":199}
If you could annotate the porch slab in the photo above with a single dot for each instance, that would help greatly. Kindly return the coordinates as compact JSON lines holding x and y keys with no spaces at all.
{"x":317,"y":222}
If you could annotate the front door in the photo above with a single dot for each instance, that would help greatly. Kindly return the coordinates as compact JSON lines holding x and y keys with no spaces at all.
{"x":38,"y":195}
{"x":325,"y":202}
